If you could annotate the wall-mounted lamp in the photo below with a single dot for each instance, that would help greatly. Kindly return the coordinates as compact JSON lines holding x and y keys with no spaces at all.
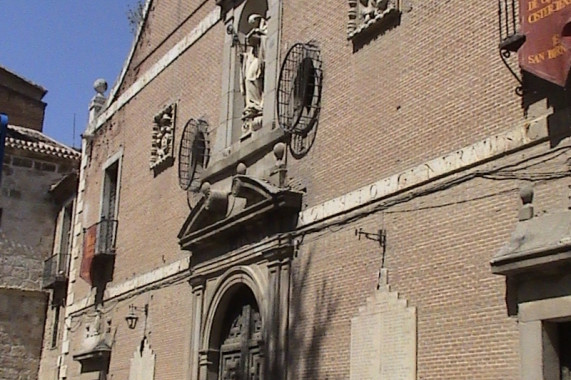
{"x":132,"y":317}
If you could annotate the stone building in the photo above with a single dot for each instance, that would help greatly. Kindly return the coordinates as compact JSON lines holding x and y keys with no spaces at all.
{"x":38,"y":180}
{"x":325,"y":190}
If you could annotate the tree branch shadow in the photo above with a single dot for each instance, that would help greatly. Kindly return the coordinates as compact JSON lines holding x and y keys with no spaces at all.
{"x":312,"y":310}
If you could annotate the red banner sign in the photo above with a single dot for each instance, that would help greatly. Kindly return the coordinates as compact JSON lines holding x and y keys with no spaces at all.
{"x":89,"y":239}
{"x":547,"y":48}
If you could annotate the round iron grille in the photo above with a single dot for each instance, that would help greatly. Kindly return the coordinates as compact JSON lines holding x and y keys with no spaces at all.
{"x":299,"y":88}
{"x":301,"y":143}
{"x":193,"y":154}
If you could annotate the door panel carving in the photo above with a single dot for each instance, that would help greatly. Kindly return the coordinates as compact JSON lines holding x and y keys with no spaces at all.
{"x":240,"y":352}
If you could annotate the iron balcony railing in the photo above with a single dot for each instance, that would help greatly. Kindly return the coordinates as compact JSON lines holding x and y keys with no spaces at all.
{"x":510,"y":37}
{"x":55,"y":270}
{"x":100,"y":237}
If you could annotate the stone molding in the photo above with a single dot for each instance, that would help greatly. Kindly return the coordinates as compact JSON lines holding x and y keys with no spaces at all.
{"x":165,"y":61}
{"x":242,"y":275}
{"x":533,"y":132}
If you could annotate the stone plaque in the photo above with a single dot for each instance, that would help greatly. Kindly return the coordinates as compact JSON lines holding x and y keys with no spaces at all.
{"x":143,"y":363}
{"x":383,"y":338}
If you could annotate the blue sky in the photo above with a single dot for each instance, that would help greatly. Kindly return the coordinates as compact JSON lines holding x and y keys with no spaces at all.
{"x":64,"y":45}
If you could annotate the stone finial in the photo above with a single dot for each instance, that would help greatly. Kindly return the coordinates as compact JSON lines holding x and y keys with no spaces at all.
{"x":279,"y":152}
{"x":241,"y":168}
{"x":100,"y":86}
{"x":279,"y":172}
{"x":205,"y":188}
{"x":526,"y":194}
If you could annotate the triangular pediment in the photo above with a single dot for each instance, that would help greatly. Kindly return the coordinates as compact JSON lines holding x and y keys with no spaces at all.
{"x":220,"y":214}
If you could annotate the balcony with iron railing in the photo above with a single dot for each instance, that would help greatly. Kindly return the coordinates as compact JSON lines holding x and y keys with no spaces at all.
{"x":55,"y":271}
{"x":511,"y":37}
{"x":99,"y":251}
{"x":100,"y":238}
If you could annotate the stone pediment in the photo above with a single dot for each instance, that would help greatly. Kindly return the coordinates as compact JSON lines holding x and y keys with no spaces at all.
{"x":251,"y":210}
{"x":536,"y":243}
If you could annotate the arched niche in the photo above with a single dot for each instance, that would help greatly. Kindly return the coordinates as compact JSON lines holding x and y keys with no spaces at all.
{"x":236,"y":125}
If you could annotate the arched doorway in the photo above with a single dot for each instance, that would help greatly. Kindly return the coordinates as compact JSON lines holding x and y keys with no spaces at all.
{"x":241,"y":338}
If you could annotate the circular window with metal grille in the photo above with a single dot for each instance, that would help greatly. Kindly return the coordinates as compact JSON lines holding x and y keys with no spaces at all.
{"x":193,"y":154}
{"x":299,"y":88}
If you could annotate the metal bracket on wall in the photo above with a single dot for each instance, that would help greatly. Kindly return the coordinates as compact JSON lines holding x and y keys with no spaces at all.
{"x":505,"y":54}
{"x":380,"y":236}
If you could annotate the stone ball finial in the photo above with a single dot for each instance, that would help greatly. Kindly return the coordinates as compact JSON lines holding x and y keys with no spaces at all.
{"x":279,"y":150}
{"x":241,"y":168}
{"x":526,"y":194}
{"x":100,"y":86}
{"x":205,"y":188}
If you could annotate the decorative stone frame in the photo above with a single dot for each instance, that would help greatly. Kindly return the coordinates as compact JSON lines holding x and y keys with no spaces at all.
{"x":363,"y":17}
{"x":230,"y":144}
{"x":538,"y":357}
{"x":162,"y":143}
{"x":269,"y":282}
{"x":115,"y":159}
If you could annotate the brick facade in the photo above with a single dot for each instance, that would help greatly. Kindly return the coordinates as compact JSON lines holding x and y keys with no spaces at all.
{"x":421,"y":137}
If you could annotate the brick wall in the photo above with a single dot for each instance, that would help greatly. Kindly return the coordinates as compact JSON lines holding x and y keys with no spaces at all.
{"x":22,"y":110}
{"x":429,"y":86}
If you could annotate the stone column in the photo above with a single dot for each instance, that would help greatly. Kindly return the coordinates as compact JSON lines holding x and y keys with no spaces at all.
{"x":278,"y":315}
{"x":196,"y":323}
{"x":284,"y":298}
{"x":272,"y":322}
{"x":208,"y":362}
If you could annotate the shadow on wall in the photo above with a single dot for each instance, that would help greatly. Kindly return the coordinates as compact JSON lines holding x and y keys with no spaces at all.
{"x":312,"y":309}
{"x":537,"y":89}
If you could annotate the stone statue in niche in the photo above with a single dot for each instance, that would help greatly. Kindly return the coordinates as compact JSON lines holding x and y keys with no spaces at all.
{"x":162,"y":140}
{"x":252,"y":69}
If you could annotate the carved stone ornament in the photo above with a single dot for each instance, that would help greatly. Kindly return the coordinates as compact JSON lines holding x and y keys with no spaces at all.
{"x":98,"y":339}
{"x":364,"y":14}
{"x":162,"y":147}
{"x":246,"y":213}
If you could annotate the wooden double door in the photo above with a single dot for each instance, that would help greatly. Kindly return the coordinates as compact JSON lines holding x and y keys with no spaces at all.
{"x":241,"y":344}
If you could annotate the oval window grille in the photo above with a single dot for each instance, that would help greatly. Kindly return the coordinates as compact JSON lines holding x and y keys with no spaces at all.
{"x":299,"y":88}
{"x":193,"y":154}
